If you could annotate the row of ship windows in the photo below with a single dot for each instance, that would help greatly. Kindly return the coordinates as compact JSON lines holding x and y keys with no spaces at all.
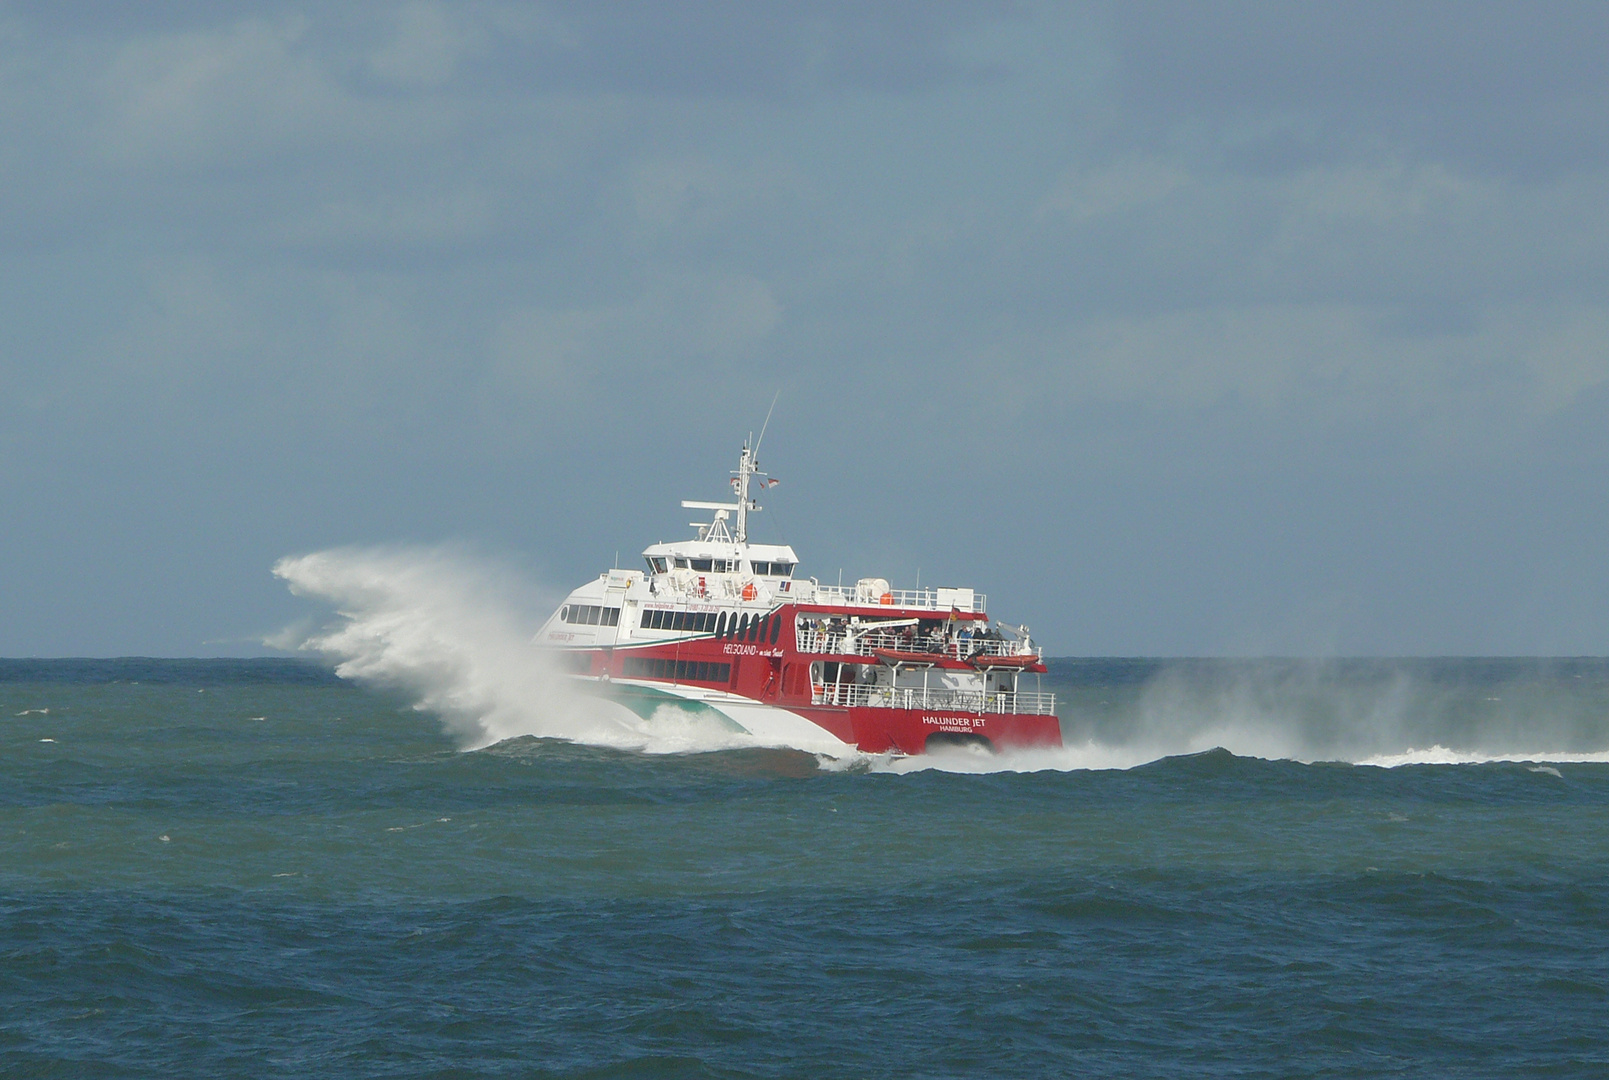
{"x":648,"y":667}
{"x":702,"y":622}
{"x":762,"y":628}
{"x":659,"y":565}
{"x":590,"y":615}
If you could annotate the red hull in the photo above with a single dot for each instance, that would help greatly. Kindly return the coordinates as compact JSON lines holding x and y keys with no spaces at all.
{"x":773,"y":672}
{"x":911,"y":731}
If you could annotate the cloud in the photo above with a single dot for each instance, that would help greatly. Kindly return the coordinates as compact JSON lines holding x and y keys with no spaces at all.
{"x":428,"y":44}
{"x":672,"y":340}
{"x":251,"y":91}
{"x":1505,"y":86}
{"x":1467,"y":393}
{"x":413,"y":218}
{"x":734,"y":50}
{"x":1084,"y":193}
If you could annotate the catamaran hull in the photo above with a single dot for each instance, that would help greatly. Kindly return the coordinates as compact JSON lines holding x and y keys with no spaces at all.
{"x":836,"y":731}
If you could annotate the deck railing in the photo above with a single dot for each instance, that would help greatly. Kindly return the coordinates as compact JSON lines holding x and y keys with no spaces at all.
{"x":927,"y":599}
{"x":843,"y":643}
{"x":916,"y":697}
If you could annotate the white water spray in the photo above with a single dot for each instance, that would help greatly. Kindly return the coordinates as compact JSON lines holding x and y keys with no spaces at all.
{"x":445,"y":628}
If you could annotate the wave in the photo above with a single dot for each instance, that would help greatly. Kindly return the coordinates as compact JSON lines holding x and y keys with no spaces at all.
{"x":452,"y":630}
{"x":1441,"y":755}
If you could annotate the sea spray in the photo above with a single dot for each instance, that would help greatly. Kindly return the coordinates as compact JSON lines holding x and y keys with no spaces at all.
{"x":1363,"y":711}
{"x":443,"y":627}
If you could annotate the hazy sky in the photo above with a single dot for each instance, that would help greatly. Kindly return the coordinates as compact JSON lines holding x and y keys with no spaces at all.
{"x":1207,"y":328}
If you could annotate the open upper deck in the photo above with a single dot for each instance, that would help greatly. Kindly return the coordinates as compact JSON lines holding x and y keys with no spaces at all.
{"x":875,"y":592}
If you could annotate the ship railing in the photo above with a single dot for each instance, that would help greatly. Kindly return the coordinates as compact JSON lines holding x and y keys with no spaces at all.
{"x":842,"y":643}
{"x":916,"y":697}
{"x":929,"y":599}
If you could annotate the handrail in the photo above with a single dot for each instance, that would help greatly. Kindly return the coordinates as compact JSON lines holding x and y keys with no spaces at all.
{"x":926,"y":599}
{"x":916,"y":697}
{"x":844,"y":643}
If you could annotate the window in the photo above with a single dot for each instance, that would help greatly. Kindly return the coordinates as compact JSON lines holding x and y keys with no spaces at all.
{"x":720,"y":627}
{"x":782,"y":569}
{"x":702,"y":565}
{"x":681,"y":563}
{"x":654,"y":667}
{"x":699,"y":622}
{"x":761,"y":568}
{"x":590,"y":615}
{"x":776,"y":627}
{"x":657,"y":564}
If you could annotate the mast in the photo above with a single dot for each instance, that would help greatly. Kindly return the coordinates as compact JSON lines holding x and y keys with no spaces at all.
{"x":745,"y":469}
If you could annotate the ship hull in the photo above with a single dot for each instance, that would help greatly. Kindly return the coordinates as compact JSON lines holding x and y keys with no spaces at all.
{"x":835,"y":730}
{"x":768,"y":688}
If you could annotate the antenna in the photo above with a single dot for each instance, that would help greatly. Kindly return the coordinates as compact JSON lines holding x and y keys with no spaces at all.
{"x":767,"y":423}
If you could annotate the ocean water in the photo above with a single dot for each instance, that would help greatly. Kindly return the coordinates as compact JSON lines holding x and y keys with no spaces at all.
{"x":1235,"y":868}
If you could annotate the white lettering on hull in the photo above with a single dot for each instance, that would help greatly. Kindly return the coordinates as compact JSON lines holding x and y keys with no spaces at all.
{"x":735,"y":649}
{"x":964,"y":723}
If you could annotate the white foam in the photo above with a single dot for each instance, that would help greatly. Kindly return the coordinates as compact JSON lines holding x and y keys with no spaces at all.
{"x":445,"y":627}
{"x":1441,"y":755}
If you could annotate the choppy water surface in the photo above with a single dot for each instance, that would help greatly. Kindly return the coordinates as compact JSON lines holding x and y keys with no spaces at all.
{"x":254,"y":868}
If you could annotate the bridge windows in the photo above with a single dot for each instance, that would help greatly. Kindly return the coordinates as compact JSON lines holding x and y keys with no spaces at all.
{"x":711,"y":566}
{"x":657,"y":564}
{"x":772,"y":569}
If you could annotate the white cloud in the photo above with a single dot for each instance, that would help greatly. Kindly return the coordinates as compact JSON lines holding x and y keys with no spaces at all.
{"x":247,"y":92}
{"x":1515,"y":367}
{"x":683,"y":324}
{"x":699,"y":192}
{"x":1084,"y":193}
{"x":408,"y":218}
{"x":428,"y":44}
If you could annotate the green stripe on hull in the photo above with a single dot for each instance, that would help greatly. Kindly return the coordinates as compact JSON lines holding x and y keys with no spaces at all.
{"x":643,"y":700}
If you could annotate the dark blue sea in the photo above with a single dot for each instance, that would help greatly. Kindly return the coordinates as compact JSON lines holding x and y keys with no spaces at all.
{"x":1236,"y":869}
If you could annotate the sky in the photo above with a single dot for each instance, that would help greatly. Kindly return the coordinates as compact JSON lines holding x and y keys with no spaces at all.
{"x":1179,"y":329}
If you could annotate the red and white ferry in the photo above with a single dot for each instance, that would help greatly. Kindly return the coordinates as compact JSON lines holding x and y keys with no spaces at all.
{"x":720,"y":626}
